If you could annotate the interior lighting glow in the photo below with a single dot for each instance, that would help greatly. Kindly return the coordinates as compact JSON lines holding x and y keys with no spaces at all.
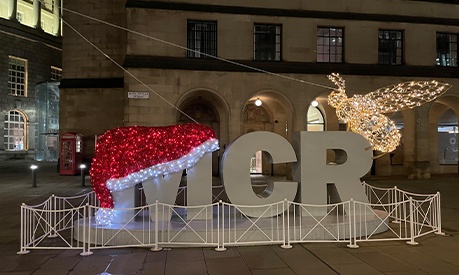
{"x":314,"y":103}
{"x":258,"y":102}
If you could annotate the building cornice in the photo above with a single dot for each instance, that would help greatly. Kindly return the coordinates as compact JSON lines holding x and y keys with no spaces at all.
{"x":292,"y":13}
{"x":91,"y":83}
{"x":18,"y":30}
{"x":283,"y":67}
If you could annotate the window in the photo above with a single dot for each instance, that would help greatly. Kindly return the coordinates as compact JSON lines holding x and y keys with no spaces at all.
{"x":17,"y":72}
{"x":56,"y":74}
{"x":390,"y":46}
{"x":14,"y":137}
{"x":267,"y":42}
{"x":316,"y":120}
{"x":202,"y":39}
{"x":447,"y":49}
{"x":330,"y":45}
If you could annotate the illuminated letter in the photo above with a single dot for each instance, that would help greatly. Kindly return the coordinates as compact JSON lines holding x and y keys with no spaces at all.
{"x":236,"y":171}
{"x":314,"y":173}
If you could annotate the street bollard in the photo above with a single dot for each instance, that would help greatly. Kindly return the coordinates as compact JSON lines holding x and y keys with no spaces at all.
{"x":34,"y":175}
{"x":82,"y":167}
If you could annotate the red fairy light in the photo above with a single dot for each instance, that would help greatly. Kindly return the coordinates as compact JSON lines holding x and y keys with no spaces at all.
{"x":125,"y":151}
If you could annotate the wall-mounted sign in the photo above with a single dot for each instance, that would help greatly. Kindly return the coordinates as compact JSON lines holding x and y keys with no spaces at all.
{"x":139,"y":95}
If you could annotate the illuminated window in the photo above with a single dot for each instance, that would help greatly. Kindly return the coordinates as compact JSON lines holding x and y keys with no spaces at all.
{"x":267,"y":42}
{"x":390,"y":47}
{"x":316,"y":120}
{"x":14,"y":137}
{"x":330,"y":45}
{"x":447,"y":49}
{"x":202,"y":38}
{"x":17,"y":72}
{"x":56,"y":74}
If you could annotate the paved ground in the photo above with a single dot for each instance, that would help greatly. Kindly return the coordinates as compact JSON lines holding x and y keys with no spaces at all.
{"x":434,"y":254}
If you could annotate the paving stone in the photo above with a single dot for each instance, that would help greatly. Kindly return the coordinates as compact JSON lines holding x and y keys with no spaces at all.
{"x":185,"y":254}
{"x":385,"y":263}
{"x":229,"y":266}
{"x":274,"y":271}
{"x":186,"y":267}
{"x":355,"y":268}
{"x":230,"y":252}
{"x":299,"y":259}
{"x":153,"y":268}
{"x":261,"y":257}
{"x":334,"y":255}
{"x":156,"y":256}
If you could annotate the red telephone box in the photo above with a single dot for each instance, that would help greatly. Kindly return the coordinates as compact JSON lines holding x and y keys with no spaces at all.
{"x":71,"y":153}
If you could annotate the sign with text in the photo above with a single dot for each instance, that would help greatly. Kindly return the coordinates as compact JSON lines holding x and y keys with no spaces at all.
{"x":139,"y":95}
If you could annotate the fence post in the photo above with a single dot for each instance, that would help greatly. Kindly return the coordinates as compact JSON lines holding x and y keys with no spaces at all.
{"x":439,"y":232}
{"x":220,"y":248}
{"x":88,"y":252}
{"x":284,"y":208}
{"x":22,"y":250}
{"x":156,"y":247}
{"x":396,"y":205}
{"x":352,"y":224}
{"x":411,"y":241}
{"x":52,"y":206}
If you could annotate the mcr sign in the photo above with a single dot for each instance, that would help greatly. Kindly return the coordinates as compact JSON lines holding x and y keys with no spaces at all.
{"x":311,"y":172}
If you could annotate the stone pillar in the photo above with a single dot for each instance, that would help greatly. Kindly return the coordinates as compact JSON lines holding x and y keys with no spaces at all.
{"x":57,"y":17}
{"x":433,"y":150}
{"x":422,"y":163}
{"x":37,"y":14}
{"x":12,"y":9}
{"x":409,"y":141}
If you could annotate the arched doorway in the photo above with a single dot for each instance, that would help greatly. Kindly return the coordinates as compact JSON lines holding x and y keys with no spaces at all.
{"x":448,"y":138}
{"x":268,"y":111}
{"x":208,"y":108}
{"x":443,"y":135}
{"x":315,"y":119}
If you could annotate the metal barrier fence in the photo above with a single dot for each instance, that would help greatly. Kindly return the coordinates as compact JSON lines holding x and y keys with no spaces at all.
{"x":69,"y":223}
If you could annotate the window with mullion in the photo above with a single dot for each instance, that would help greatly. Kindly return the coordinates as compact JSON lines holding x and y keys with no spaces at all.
{"x":267,"y":42}
{"x":202,"y":39}
{"x":17,"y":76}
{"x":446,"y":49}
{"x":14,"y":135}
{"x":390,"y":47}
{"x":329,"y":45}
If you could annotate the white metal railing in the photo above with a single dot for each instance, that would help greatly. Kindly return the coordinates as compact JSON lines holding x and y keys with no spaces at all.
{"x":69,"y":222}
{"x":239,"y":227}
{"x":308,"y":223}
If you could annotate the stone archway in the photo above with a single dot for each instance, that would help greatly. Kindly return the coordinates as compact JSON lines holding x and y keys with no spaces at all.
{"x":208,"y":108}
{"x":275,"y":114}
{"x":444,"y":107}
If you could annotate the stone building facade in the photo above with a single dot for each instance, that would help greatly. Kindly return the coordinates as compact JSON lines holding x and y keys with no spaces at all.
{"x":30,"y":53}
{"x":293,"y":46}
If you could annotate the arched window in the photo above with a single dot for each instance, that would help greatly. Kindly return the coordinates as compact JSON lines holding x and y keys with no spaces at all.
{"x":316,"y":120}
{"x":15,"y":131}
